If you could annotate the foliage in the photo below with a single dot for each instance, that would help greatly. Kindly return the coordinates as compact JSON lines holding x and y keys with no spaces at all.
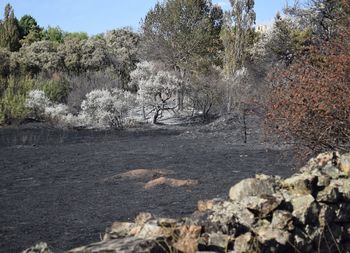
{"x":207,"y":92}
{"x":56,"y":90}
{"x":37,"y":102}
{"x":104,"y":109}
{"x":12,"y":101}
{"x":82,"y":84}
{"x":9,"y":30}
{"x":4,"y":63}
{"x":30,"y":31}
{"x":54,"y":34}
{"x":310,"y":103}
{"x":41,"y":56}
{"x":76,"y":36}
{"x":237,"y":33}
{"x":122,"y":45}
{"x":156,"y":88}
{"x":183,"y":34}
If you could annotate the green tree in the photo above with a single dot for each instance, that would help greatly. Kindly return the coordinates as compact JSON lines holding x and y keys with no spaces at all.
{"x":30,"y":31}
{"x":184,"y":35}
{"x":237,"y":34}
{"x":54,"y":34}
{"x":76,"y":36}
{"x":9,"y":30}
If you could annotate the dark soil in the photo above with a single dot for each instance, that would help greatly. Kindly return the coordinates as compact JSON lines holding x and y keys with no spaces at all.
{"x":52,"y":184}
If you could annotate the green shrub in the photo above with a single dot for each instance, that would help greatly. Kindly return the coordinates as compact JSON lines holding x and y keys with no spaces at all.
{"x":12,"y":101}
{"x":56,"y":90}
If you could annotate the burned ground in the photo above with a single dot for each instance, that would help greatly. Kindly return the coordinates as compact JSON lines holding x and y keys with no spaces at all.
{"x":53,"y":187}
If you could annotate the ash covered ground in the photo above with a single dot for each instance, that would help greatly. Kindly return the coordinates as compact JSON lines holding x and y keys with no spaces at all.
{"x":55,"y":186}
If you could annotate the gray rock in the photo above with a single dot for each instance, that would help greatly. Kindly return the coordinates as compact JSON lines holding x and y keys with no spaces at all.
{"x":305,"y":209}
{"x":282,"y":220}
{"x":120,"y":229}
{"x":125,"y":245}
{"x":142,"y":218}
{"x":267,"y":234}
{"x":330,"y":194}
{"x":301,"y":184}
{"x":245,"y":243}
{"x":343,"y":186}
{"x":344,"y":164}
{"x":219,"y":240}
{"x":251,"y":187}
{"x":332,"y":171}
{"x":40,"y":247}
{"x":261,"y":206}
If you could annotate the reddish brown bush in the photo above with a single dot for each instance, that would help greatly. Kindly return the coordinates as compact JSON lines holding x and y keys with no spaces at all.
{"x":310,"y":104}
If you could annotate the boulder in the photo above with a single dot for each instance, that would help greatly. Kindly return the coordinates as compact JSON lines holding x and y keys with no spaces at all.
{"x":251,"y":187}
{"x":261,"y":206}
{"x":268,"y":234}
{"x":305,"y":209}
{"x":245,"y":243}
{"x":188,"y":239}
{"x":344,"y":164}
{"x":301,"y":184}
{"x":282,"y":220}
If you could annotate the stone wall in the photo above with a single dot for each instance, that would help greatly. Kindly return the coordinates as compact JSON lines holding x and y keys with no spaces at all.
{"x":308,"y":212}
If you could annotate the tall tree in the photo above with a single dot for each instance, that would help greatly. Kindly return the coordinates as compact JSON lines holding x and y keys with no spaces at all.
{"x":237,"y":34}
{"x":9,"y":30}
{"x":184,"y":35}
{"x":30,"y":31}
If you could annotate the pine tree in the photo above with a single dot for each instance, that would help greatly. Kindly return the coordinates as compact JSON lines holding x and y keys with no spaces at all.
{"x":9,"y":30}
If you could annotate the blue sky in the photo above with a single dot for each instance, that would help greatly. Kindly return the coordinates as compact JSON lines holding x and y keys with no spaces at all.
{"x":96,"y":16}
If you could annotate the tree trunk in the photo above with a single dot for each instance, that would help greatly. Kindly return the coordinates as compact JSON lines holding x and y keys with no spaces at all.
{"x":245,"y":126}
{"x":143,"y":113}
{"x":155,"y":117}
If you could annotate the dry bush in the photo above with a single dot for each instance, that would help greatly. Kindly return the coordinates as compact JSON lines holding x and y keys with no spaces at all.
{"x":310,"y":103}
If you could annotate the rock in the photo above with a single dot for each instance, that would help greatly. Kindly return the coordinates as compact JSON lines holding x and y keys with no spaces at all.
{"x":232,"y":212}
{"x":188,"y":239}
{"x":268,"y":234}
{"x":282,"y":220}
{"x":204,"y":205}
{"x":343,"y":213}
{"x":323,"y":180}
{"x":343,"y":186}
{"x":219,"y":240}
{"x":327,"y":214}
{"x":151,"y":231}
{"x":308,"y":212}
{"x":167,"y":222}
{"x":245,"y":243}
{"x":142,"y":218}
{"x":305,"y":209}
{"x":125,"y":245}
{"x":170,"y":182}
{"x":261,"y":206}
{"x":120,"y":230}
{"x":344,"y":164}
{"x":332,"y":171}
{"x":251,"y":187}
{"x":41,"y":247}
{"x":139,"y":174}
{"x":330,"y":194}
{"x":323,"y":159}
{"x":301,"y":184}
